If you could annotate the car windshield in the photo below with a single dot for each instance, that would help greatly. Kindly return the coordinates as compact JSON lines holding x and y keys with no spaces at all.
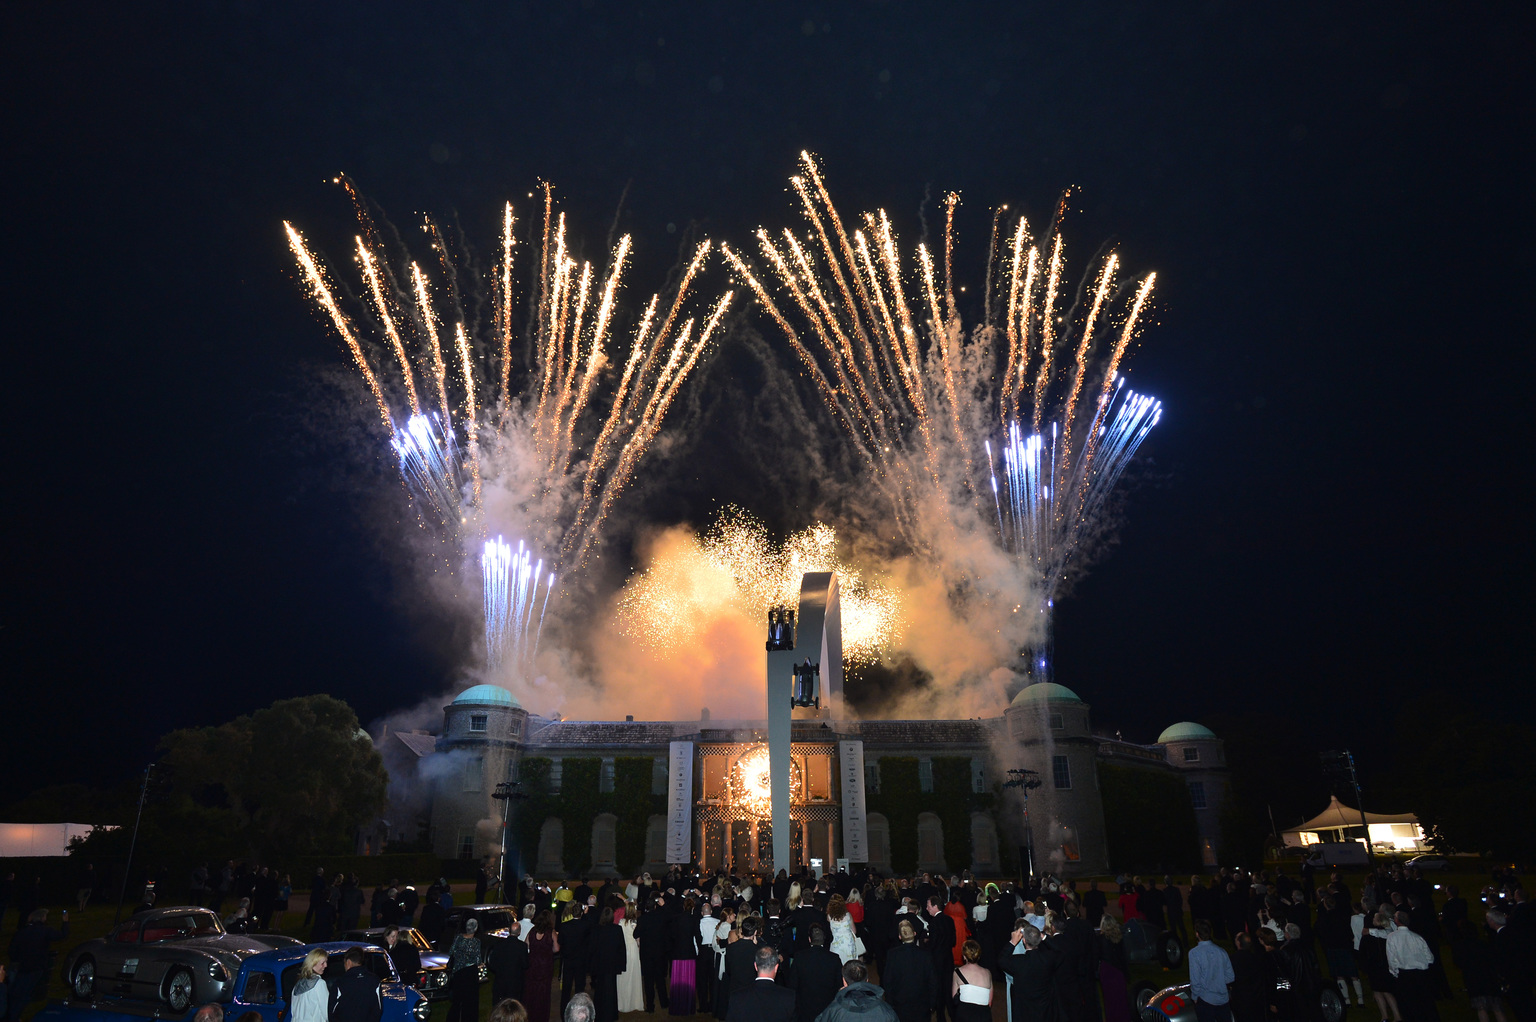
{"x":180,"y":925}
{"x":418,"y":940}
{"x":491,"y":921}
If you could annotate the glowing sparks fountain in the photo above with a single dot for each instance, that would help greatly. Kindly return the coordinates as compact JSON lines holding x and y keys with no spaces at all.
{"x":557,"y":423}
{"x":881,"y":339}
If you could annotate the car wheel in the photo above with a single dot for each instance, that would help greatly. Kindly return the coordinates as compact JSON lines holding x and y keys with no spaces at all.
{"x":82,"y":981}
{"x":178,"y":991}
{"x":1170,"y":951}
{"x":1141,"y":996}
{"x":1333,"y":1005}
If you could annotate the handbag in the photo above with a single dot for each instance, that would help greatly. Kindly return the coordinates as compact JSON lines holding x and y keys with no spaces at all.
{"x":858,"y":947}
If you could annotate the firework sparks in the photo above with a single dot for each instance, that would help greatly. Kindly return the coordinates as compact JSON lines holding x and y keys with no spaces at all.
{"x":737,"y":564}
{"x":882,"y":341}
{"x":539,"y":422}
{"x":511,"y":582}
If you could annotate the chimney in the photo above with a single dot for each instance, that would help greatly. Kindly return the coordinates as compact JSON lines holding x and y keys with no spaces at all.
{"x":704,"y":713}
{"x":629,"y":718}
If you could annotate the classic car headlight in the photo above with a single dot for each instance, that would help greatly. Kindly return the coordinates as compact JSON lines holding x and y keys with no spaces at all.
{"x":422,"y":1009}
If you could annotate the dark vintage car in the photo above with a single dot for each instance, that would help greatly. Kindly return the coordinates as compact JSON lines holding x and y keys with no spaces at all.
{"x":1173,"y":1004}
{"x":174,"y":956}
{"x":494,"y":920}
{"x":433,"y":981}
{"x":1145,"y":943}
{"x":263,"y":984}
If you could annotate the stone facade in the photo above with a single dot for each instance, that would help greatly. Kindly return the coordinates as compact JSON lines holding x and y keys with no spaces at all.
{"x":960,"y":770}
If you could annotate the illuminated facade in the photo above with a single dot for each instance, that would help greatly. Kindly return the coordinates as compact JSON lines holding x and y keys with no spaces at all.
{"x":933,"y":788}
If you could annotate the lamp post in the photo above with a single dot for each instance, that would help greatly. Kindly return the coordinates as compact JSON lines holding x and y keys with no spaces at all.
{"x":1341,"y":767}
{"x":133,"y":843}
{"x":506,"y":793}
{"x":1026,"y":781}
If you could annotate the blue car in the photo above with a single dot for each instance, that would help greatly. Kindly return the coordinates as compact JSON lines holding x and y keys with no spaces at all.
{"x":263,"y":985}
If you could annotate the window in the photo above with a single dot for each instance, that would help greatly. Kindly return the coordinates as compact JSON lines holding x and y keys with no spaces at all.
{"x":1057,"y":723}
{"x":872,"y":778}
{"x":1197,"y":794}
{"x":658,"y":778}
{"x":925,"y":774}
{"x":477,"y":722}
{"x":260,"y":988}
{"x":604,"y":842}
{"x":466,"y":844}
{"x":554,"y":776}
{"x":474,"y":773}
{"x":605,"y":777}
{"x":1061,"y":771}
{"x":1191,"y":754}
{"x":930,"y":842}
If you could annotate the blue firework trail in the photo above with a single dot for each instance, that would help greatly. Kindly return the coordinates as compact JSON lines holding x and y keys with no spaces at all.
{"x":512,"y":581}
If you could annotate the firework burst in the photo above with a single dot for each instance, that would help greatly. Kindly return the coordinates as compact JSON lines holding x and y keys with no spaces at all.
{"x":538,"y":429}
{"x":881,"y":338}
{"x":737,"y":564}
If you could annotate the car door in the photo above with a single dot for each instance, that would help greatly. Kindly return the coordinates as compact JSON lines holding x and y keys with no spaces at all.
{"x":258,"y":993}
{"x":117,"y":958}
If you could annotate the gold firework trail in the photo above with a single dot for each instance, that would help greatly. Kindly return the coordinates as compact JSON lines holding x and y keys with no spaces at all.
{"x":881,"y":337}
{"x":587,"y":434}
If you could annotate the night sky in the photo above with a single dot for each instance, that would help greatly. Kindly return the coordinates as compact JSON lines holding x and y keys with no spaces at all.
{"x":1336,"y":198}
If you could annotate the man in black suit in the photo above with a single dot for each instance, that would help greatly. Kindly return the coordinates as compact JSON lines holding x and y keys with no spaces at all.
{"x":1078,"y":970}
{"x":764,"y":1000}
{"x":507,"y":958}
{"x":941,"y":950}
{"x":1093,"y":904}
{"x":908,"y":977}
{"x":816,"y":976}
{"x":655,"y":954}
{"x":357,"y":997}
{"x":1033,"y":973}
{"x":607,"y":961}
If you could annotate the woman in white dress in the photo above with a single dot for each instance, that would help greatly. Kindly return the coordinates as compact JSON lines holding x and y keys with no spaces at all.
{"x":842,"y":929}
{"x":631,"y":995}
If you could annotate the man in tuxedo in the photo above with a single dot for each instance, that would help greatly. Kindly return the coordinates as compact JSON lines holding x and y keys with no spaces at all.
{"x":764,"y":1000}
{"x":1033,"y":993}
{"x":507,"y":958}
{"x":941,"y":950}
{"x":815,"y":976}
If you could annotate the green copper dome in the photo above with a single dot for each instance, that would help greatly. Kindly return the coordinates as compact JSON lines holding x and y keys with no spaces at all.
{"x":1187,"y":731}
{"x":1045,"y":691}
{"x":486,"y":695}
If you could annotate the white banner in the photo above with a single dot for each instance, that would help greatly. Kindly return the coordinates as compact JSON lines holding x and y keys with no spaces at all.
{"x":850,"y":758}
{"x":680,"y":804}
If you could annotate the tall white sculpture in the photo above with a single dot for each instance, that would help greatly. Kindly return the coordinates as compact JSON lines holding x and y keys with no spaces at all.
{"x":804,"y":679}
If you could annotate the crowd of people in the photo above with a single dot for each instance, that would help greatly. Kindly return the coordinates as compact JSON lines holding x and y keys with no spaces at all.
{"x":925,"y":948}
{"x":1053,"y":951}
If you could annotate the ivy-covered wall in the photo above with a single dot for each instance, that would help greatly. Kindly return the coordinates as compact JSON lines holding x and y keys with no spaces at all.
{"x":1149,"y":822}
{"x":579,"y":802}
{"x":901,"y":799}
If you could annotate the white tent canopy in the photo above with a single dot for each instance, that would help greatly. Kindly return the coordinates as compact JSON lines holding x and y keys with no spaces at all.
{"x":18,"y":840}
{"x":1339,"y":822}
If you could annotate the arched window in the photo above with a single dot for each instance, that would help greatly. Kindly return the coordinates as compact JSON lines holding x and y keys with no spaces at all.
{"x":984,"y":849}
{"x":879,"y":842}
{"x":656,"y":841}
{"x":551,"y":848}
{"x":604,"y":842}
{"x":930,"y":842}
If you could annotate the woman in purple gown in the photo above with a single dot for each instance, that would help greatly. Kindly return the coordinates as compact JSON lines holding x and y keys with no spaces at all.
{"x":543,"y":945}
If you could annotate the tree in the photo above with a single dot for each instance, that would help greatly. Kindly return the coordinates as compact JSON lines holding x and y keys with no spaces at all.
{"x":1467,"y":778}
{"x":298,"y":777}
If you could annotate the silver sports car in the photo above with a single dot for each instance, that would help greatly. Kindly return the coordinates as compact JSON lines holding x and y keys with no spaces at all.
{"x":178,"y":956}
